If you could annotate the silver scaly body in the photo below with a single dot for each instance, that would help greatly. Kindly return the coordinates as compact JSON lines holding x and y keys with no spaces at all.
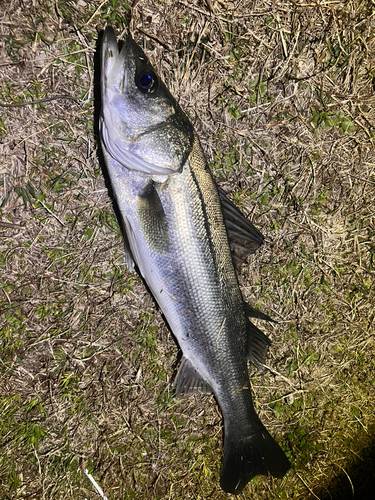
{"x":177,"y":225}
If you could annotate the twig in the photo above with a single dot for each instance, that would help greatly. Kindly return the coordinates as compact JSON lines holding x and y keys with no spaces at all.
{"x":194,"y":50}
{"x":10,"y":225}
{"x":275,"y":372}
{"x":347,"y":475}
{"x":153,"y":37}
{"x":50,"y":212}
{"x":220,"y":330}
{"x":45,"y":99}
{"x":95,"y":484}
{"x":305,"y":484}
{"x":97,"y":10}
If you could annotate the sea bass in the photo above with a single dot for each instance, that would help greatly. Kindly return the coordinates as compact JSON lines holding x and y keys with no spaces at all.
{"x":186,"y":237}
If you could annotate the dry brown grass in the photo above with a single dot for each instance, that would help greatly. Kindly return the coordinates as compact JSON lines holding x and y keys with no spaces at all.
{"x":282,"y":96}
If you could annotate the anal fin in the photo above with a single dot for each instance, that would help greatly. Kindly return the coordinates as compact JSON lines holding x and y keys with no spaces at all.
{"x":188,"y":380}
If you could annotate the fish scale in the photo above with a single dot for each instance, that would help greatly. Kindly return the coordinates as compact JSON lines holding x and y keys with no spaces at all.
{"x":185,"y":236}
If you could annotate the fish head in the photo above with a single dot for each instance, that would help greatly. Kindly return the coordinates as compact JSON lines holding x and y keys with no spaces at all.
{"x":142,"y":126}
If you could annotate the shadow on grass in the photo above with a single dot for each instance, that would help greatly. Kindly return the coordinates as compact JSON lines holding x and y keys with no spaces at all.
{"x":361,"y":485}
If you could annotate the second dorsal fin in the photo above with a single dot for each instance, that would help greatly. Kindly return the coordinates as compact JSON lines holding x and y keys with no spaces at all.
{"x":254,"y":313}
{"x":257,"y":346}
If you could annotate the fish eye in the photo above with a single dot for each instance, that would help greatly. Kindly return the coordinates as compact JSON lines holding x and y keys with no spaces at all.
{"x":147,"y":81}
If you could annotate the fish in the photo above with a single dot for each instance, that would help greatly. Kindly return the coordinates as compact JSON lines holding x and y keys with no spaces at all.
{"x":186,"y":239}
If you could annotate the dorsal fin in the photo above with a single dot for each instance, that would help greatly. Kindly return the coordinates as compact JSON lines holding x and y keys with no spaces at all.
{"x":257,"y":346}
{"x":244,"y":238}
{"x":254,"y":313}
{"x":188,"y":380}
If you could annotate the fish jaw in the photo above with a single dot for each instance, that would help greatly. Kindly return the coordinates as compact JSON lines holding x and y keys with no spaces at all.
{"x":142,"y":129}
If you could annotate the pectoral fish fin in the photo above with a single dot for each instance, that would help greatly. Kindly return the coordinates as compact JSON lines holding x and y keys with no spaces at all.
{"x":152,"y":219}
{"x":254,"y":313}
{"x":244,"y":238}
{"x":257,"y":346}
{"x":127,"y":231}
{"x":189,"y":380}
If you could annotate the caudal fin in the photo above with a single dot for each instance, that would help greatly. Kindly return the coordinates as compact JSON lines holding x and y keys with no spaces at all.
{"x":248,"y":457}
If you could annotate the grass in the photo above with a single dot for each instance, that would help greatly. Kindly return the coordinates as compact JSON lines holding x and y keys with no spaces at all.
{"x":282,"y":98}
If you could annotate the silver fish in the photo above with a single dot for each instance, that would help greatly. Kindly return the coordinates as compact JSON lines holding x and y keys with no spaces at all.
{"x":182,"y":233}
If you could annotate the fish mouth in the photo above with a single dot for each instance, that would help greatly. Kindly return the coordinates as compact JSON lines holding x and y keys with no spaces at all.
{"x":114,"y":65}
{"x":110,"y":52}
{"x":116,"y":137}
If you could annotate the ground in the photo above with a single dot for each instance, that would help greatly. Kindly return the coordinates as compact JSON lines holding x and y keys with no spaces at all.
{"x":282,"y":96}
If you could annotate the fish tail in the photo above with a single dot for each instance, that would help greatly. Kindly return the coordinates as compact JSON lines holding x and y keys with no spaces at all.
{"x":245,"y":458}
